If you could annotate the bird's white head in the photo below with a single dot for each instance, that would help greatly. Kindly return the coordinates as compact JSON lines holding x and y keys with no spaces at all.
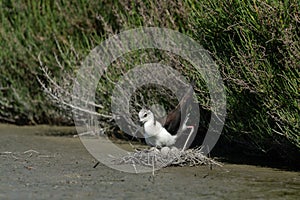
{"x":145,"y":115}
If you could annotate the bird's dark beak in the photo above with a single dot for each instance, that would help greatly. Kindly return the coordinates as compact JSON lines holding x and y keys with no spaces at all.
{"x":141,"y":122}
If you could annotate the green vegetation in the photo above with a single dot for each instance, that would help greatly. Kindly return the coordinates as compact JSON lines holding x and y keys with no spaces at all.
{"x":254,"y":42}
{"x":257,"y":48}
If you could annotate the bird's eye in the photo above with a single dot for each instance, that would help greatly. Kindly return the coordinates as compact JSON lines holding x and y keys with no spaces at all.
{"x":145,"y":115}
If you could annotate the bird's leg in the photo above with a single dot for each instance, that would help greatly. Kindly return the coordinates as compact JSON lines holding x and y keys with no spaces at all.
{"x":188,"y":138}
{"x":184,"y":126}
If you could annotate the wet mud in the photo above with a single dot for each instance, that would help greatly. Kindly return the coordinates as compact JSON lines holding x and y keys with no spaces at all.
{"x":39,"y":163}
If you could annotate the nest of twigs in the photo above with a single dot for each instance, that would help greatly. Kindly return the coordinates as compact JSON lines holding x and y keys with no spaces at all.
{"x":166,"y":156}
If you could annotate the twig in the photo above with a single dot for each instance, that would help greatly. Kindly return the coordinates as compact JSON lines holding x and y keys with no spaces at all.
{"x":96,"y":164}
{"x":5,"y":152}
{"x":30,"y":151}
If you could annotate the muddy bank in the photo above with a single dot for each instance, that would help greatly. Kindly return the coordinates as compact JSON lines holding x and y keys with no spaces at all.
{"x":35,"y":164}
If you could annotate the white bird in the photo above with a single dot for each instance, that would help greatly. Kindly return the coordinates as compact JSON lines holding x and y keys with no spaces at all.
{"x":155,"y":134}
{"x":161,"y":132}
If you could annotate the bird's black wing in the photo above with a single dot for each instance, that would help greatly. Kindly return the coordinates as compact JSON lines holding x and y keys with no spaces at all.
{"x":171,"y":122}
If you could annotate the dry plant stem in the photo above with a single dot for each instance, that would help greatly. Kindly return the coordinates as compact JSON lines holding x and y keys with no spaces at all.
{"x":192,"y":130}
{"x":26,"y":154}
{"x":31,"y":151}
{"x":63,"y":96}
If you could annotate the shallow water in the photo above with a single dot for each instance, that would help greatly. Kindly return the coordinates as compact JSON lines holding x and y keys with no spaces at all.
{"x":59,"y":167}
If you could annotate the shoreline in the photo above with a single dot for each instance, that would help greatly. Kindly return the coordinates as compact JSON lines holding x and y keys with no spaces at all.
{"x":229,"y":156}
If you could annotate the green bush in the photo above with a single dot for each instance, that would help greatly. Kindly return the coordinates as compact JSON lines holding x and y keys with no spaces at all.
{"x":61,"y":34}
{"x":256,"y":45}
{"x":46,"y":28}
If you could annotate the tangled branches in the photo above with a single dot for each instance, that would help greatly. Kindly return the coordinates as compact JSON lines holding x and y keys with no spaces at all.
{"x":166,"y":156}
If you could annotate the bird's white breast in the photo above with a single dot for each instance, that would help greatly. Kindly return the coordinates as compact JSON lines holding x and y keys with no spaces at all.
{"x":156,"y":135}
